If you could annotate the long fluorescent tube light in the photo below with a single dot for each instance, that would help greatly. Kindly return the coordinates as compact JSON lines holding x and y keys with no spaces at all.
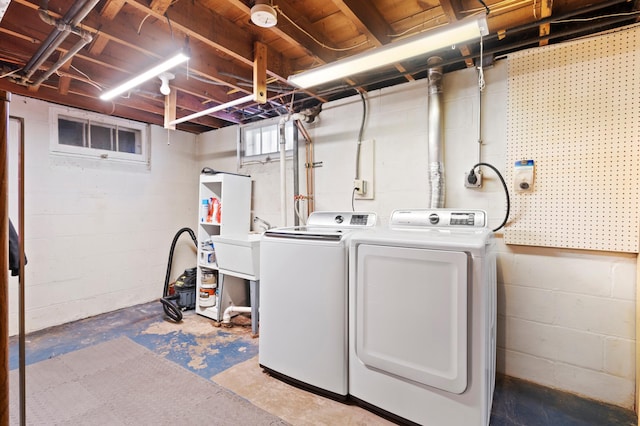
{"x":248,"y":98}
{"x":146,"y":75}
{"x":465,"y":30}
{"x":4,"y":4}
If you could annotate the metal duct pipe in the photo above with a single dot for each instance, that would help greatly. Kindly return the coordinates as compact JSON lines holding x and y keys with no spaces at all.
{"x":37,"y":58}
{"x":436,"y":126}
{"x":78,"y":11}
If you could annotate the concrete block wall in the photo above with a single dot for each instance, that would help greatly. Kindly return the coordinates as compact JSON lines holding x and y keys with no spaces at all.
{"x":566,"y":317}
{"x":98,"y":233}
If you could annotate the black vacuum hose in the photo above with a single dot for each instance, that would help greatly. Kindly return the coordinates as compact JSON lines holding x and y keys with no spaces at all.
{"x":170,"y":309}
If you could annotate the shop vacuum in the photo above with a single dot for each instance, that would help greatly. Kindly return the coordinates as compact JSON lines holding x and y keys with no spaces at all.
{"x":180,"y":295}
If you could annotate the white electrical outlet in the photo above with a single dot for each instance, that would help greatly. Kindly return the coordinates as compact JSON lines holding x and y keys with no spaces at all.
{"x":360,"y":185}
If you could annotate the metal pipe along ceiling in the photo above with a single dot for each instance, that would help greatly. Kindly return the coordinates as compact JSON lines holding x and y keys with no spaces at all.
{"x":62,"y":28}
{"x":436,"y":142}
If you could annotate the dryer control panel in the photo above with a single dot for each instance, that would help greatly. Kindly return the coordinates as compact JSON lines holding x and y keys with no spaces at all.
{"x":440,"y":218}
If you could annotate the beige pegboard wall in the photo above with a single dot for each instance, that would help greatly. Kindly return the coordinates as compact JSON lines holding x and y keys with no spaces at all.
{"x":574,"y":109}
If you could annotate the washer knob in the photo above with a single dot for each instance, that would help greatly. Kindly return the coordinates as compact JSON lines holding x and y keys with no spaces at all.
{"x":434,"y":218}
{"x":339,"y":219}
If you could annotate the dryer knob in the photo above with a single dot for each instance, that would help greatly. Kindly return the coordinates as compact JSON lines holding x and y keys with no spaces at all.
{"x":434,"y":218}
{"x":339,"y":219}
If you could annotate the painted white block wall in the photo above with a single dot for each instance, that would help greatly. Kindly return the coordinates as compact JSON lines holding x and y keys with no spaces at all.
{"x":97,"y":234}
{"x":566,"y":317}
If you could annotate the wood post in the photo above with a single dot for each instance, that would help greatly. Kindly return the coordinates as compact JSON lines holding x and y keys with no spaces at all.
{"x":4,"y":259}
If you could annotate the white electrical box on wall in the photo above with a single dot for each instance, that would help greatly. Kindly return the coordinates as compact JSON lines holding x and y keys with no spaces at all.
{"x":523,"y":174}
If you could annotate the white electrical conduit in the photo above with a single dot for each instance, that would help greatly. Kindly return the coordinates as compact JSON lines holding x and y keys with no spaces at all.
{"x":226,"y":317}
{"x":283,"y":171}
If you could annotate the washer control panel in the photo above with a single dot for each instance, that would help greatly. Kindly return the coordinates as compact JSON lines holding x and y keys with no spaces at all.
{"x":441,"y":218}
{"x":342,"y":219}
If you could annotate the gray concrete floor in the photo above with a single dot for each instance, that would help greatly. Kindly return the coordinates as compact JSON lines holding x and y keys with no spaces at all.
{"x":228,"y":356}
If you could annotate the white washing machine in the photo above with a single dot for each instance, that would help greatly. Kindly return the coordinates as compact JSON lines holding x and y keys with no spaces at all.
{"x":303,"y":301}
{"x":422,"y":318}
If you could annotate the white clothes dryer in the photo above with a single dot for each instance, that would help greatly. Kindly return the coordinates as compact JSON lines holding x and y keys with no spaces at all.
{"x":422,"y":318}
{"x":303,"y":301}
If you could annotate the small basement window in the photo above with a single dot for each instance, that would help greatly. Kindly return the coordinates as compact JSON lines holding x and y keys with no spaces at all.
{"x":86,"y":134}
{"x":260,"y":141}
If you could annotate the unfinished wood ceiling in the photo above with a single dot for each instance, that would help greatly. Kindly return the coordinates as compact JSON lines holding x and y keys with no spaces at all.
{"x":109,"y":41}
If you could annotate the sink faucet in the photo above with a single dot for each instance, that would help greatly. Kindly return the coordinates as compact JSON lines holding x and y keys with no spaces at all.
{"x":263,"y":223}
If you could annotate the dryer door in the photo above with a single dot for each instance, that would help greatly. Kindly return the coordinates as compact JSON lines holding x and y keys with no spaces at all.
{"x":411,"y":314}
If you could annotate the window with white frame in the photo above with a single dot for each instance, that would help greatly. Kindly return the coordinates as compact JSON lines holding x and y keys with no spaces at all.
{"x":88,"y":134}
{"x":260,"y":141}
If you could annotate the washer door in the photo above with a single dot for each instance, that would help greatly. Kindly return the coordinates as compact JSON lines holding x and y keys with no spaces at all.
{"x":411,"y":314}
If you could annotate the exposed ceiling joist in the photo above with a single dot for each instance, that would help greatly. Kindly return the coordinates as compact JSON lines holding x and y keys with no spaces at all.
{"x":131,"y":35}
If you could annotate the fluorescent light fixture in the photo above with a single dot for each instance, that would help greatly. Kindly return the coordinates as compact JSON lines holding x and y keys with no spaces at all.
{"x":4,"y":4}
{"x":147,"y":75}
{"x":448,"y":35}
{"x":248,"y":98}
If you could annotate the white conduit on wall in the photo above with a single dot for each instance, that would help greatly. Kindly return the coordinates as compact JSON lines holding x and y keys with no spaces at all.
{"x":283,"y":172}
{"x":436,"y":140}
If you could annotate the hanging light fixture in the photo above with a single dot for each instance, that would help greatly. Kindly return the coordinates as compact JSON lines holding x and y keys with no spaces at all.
{"x":263,"y":14}
{"x":449,"y":35}
{"x":164,"y":78}
{"x":146,"y":75}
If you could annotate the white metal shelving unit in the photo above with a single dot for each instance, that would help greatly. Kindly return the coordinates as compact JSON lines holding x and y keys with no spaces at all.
{"x":234,"y":195}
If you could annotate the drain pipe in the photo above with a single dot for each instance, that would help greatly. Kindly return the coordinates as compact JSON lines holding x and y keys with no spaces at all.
{"x":436,"y":140}
{"x":226,"y":317}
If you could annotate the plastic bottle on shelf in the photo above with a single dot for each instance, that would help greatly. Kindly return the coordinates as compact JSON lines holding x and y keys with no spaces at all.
{"x":204,"y":210}
{"x":216,"y":210}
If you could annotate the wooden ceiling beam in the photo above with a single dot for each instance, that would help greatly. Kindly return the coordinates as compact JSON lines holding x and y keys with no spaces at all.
{"x":108,"y":12}
{"x":123,"y":29}
{"x":292,"y":34}
{"x":194,"y":94}
{"x":64,"y":82}
{"x":371,"y":23}
{"x":200,"y":23}
{"x":451,"y":9}
{"x":546,"y":7}
{"x":367,"y":19}
{"x":160,"y":6}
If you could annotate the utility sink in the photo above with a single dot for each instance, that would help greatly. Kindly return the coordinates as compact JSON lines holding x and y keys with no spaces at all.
{"x":238,"y":255}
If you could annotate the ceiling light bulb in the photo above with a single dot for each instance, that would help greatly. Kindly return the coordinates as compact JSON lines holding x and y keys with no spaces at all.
{"x":146,"y":75}
{"x":164,"y":87}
